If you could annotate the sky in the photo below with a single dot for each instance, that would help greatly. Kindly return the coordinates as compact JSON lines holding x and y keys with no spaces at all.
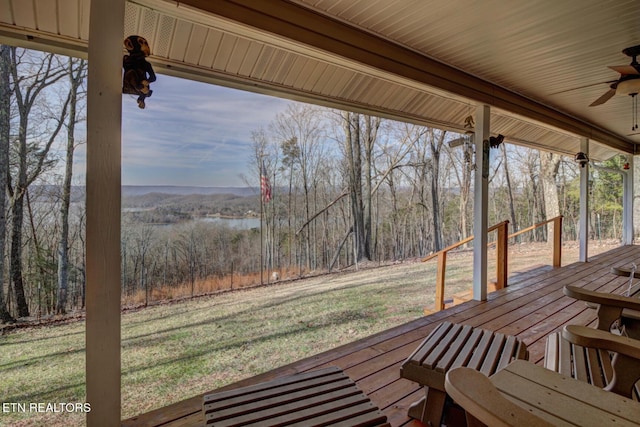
{"x":192,"y":134}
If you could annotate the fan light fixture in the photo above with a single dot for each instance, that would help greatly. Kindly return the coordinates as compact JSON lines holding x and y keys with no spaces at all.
{"x":628,"y":87}
{"x":582,"y":159}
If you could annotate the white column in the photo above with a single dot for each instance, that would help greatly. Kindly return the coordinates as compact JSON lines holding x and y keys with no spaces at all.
{"x":104,"y":115}
{"x":481,"y":203}
{"x":627,"y":204}
{"x":584,"y":203}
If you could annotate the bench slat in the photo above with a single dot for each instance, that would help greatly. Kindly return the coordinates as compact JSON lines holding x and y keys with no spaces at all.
{"x":253,"y":405}
{"x":331,"y":372}
{"x":294,"y":412}
{"x":429,"y":343}
{"x":508,"y":352}
{"x":449,"y":357}
{"x":435,"y":354}
{"x":465,"y":353}
{"x":594,"y":364}
{"x":367,"y":415}
{"x":492,"y":357}
{"x":318,"y":398}
{"x":481,"y":350}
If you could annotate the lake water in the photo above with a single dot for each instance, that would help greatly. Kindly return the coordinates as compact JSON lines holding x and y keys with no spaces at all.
{"x":238,"y":223}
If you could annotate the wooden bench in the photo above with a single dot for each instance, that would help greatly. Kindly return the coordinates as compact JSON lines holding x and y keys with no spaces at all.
{"x":318,"y":398}
{"x":447,"y":347}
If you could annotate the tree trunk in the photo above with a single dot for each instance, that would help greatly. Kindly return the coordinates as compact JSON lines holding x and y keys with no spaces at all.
{"x":63,"y":245}
{"x":5,"y":104}
{"x":549,"y":164}
{"x":353,"y":149}
{"x":514,"y":224}
{"x":436,"y":142}
{"x":16,"y":255}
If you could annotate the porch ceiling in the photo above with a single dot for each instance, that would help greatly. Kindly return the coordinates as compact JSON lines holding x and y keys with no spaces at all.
{"x":538,"y":64}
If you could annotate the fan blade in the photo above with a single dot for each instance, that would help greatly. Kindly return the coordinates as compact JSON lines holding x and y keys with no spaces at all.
{"x":604,"y":98}
{"x":583,"y":87}
{"x":624,"y":69}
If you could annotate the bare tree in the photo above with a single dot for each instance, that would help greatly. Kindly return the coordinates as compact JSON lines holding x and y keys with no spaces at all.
{"x":463,"y":167}
{"x":31,"y":156}
{"x":5,"y":105}
{"x":361,"y":133}
{"x":77,"y":73}
{"x":436,"y":141}
{"x":302,"y":126}
{"x":507,"y":175}
{"x":549,"y":164}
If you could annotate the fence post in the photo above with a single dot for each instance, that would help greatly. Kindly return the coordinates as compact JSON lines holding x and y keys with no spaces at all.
{"x":557,"y":241}
{"x":502,"y":253}
{"x":442,"y":266}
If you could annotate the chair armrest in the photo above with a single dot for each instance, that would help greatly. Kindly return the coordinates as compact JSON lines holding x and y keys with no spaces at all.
{"x":595,"y":338}
{"x":610,"y":306}
{"x":624,"y":272}
{"x":602,"y":298}
{"x":481,"y":399}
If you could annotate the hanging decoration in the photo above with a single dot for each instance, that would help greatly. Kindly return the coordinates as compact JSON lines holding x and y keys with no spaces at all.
{"x":138,"y":73}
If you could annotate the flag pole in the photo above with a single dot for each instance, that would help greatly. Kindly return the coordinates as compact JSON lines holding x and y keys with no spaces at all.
{"x":265,"y":197}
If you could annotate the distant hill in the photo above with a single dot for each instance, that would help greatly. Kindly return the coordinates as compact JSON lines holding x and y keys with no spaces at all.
{"x":139,"y":190}
{"x":170,"y":204}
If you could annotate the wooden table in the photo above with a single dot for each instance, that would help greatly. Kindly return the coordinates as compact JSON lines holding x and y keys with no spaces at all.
{"x":317,"y":398}
{"x":552,"y":398}
{"x":453,"y":345}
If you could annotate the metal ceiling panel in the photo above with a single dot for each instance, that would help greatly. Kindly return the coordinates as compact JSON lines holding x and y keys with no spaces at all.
{"x":68,"y":18}
{"x":24,"y":14}
{"x":554,"y":52}
{"x":535,"y":48}
{"x":196,"y":44}
{"x":45,"y":10}
{"x":210,"y":48}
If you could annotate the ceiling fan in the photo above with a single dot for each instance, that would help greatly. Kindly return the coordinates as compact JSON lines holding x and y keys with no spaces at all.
{"x":467,"y":138}
{"x":629,"y":81}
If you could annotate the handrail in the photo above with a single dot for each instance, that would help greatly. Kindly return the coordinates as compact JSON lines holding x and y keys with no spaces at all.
{"x":501,"y":254}
{"x":463,"y":241}
{"x":557,"y":237}
{"x":524,"y":230}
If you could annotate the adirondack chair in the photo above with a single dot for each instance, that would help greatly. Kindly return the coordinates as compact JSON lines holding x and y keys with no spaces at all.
{"x":484,"y":404}
{"x":613,"y":310}
{"x":591,"y":363}
{"x":597,"y":356}
{"x":536,"y":397}
{"x":625,"y":360}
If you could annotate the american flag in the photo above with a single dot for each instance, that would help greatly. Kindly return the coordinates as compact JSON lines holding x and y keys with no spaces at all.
{"x":265,"y":187}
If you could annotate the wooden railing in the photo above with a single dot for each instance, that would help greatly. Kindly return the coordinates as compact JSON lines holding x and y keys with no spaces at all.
{"x":502,"y":253}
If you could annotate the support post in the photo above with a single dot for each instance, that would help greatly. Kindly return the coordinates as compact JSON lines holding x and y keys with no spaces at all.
{"x":557,"y":242}
{"x":584,"y":204}
{"x":481,"y":203}
{"x":442,"y":268}
{"x":627,"y":204}
{"x":103,"y":182}
{"x":502,"y":254}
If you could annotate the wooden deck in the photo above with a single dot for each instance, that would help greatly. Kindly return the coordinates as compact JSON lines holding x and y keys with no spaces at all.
{"x":532,"y":307}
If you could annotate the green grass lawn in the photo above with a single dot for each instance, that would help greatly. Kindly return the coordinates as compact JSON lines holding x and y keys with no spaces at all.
{"x":174,"y":351}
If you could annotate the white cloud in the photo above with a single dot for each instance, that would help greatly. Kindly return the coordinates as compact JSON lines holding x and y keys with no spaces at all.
{"x":192,"y":133}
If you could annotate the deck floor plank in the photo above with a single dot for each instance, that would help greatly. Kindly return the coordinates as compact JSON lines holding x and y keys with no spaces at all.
{"x":532,"y":307}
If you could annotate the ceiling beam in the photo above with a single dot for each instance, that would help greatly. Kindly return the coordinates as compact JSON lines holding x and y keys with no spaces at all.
{"x":300,"y":24}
